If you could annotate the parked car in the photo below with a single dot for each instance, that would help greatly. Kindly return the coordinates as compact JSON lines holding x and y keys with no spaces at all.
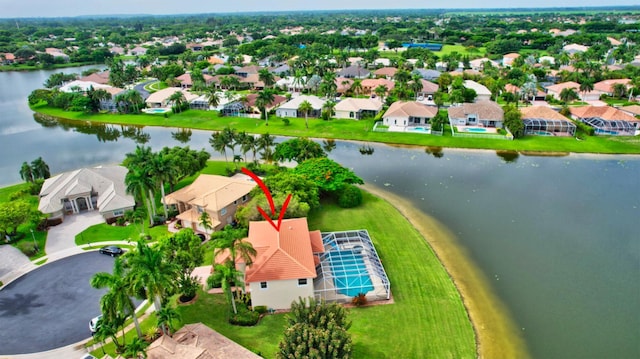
{"x":111,"y":250}
{"x":93,"y":324}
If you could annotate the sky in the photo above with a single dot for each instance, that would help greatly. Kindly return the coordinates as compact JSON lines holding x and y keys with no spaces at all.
{"x":63,"y":8}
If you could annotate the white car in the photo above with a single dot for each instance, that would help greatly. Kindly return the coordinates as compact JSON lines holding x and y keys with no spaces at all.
{"x":93,"y":324}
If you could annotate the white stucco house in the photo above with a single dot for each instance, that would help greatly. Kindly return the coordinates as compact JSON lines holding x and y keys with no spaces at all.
{"x":290,"y":108}
{"x":88,"y":189}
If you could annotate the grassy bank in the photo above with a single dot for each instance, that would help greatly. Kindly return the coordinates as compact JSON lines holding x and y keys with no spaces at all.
{"x":26,"y":240}
{"x":357,"y":130}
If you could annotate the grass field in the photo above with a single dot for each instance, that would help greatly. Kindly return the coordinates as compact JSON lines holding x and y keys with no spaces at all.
{"x":359,"y":130}
{"x":103,"y":232}
{"x":24,"y":231}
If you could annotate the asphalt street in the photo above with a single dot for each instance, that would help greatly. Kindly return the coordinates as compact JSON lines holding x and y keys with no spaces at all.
{"x":51,"y":306}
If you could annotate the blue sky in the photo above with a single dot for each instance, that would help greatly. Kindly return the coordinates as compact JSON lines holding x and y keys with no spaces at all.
{"x":56,"y":8}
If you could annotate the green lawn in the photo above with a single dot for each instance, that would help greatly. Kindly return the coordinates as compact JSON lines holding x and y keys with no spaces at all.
{"x":358,"y":130}
{"x":103,"y":232}
{"x":462,"y":50}
{"x":427,"y":320}
{"x":24,"y":230}
{"x":156,"y":86}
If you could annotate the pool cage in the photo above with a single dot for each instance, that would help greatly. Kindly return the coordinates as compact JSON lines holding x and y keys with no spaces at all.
{"x":349,"y":266}
{"x":610,"y":127}
{"x":533,"y":126}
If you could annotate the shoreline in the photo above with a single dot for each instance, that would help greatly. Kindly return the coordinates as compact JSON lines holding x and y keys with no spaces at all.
{"x":496,"y":333}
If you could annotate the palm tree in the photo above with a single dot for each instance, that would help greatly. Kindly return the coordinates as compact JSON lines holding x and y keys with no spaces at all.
{"x":162,"y":170}
{"x":219,"y":143}
{"x":264,"y":99}
{"x":226,"y":274}
{"x":265,"y":144}
{"x":138,"y":184}
{"x":381,"y":91}
{"x":568,"y":95}
{"x":248,"y":143}
{"x":108,"y":328}
{"x":305,"y":107}
{"x":150,"y":271}
{"x":266,"y":77}
{"x":166,"y":316}
{"x":40,"y":169}
{"x":230,"y":137}
{"x":619,"y":90}
{"x":328,"y":109}
{"x":213,"y":98}
{"x":586,"y":86}
{"x":136,"y":348}
{"x":233,"y":241}
{"x":118,"y":298}
{"x":178,"y":99}
{"x":416,"y":87}
{"x":205,"y":221}
{"x":356,"y":86}
{"x":26,"y":172}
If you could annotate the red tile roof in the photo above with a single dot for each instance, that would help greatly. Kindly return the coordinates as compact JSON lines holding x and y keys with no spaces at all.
{"x":287,"y":254}
{"x":604,"y":112}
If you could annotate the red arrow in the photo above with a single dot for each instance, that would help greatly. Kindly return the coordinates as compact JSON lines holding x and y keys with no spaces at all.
{"x":267,"y":193}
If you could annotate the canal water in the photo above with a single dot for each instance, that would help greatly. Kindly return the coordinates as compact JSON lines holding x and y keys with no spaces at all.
{"x":556,"y":237}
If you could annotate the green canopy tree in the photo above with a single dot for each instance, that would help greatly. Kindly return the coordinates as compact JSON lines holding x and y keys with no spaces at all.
{"x":298,"y":149}
{"x":12,"y":215}
{"x":513,"y":121}
{"x":327,"y":174}
{"x":26,"y":172}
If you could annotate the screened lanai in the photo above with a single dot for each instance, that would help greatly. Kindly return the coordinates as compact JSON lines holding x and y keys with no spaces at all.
{"x":349,"y":266}
{"x":611,"y":127}
{"x":548,"y":127}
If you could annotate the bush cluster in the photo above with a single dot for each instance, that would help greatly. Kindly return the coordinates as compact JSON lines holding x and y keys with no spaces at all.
{"x":245,"y":317}
{"x":28,"y":248}
{"x":350,"y":197}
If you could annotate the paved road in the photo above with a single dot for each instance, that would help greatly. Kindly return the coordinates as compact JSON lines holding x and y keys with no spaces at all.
{"x":51,"y":306}
{"x":140,"y":88}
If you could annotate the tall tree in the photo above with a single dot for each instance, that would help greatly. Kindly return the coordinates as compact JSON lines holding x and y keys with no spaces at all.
{"x":219,"y":144}
{"x":149,"y":270}
{"x":213,"y":98}
{"x":305,"y":107}
{"x":266,"y":77}
{"x":26,"y":172}
{"x":118,"y":298}
{"x":265,"y":98}
{"x":40,"y":169}
{"x":265,"y":144}
{"x":227,"y":274}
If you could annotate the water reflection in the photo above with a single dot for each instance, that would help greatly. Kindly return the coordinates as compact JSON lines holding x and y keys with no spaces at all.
{"x":508,"y":156}
{"x":104,"y":132}
{"x":183,"y":135}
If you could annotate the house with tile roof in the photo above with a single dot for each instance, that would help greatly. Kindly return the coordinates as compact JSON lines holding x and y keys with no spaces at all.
{"x":357,"y":108}
{"x":409,"y":114}
{"x":100,"y":188}
{"x":633,"y":110}
{"x":369,"y":85}
{"x":160,"y":98}
{"x":97,"y":77}
{"x":606,"y":86}
{"x":219,"y":196}
{"x":385,"y":72}
{"x":290,"y":108}
{"x":427,"y":74}
{"x":428,"y":89}
{"x":197,"y":341}
{"x":354,"y":72}
{"x":575,"y":48}
{"x":545,"y":121}
{"x":607,"y":120}
{"x":481,"y":113}
{"x":479,"y":64}
{"x":186,"y":82}
{"x":555,"y":90}
{"x":507,"y":60}
{"x":285,"y":266}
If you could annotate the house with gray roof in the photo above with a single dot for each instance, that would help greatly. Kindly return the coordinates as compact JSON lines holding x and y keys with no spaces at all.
{"x":481,"y":113}
{"x":88,"y":189}
{"x":354,"y":72}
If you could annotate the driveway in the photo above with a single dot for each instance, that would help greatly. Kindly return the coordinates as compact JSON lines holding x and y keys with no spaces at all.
{"x":63,"y":236}
{"x":51,"y":306}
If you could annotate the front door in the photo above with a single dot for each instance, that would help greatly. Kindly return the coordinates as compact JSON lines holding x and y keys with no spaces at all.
{"x":82,"y":204}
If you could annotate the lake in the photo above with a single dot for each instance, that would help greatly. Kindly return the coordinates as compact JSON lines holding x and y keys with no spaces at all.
{"x":556,"y":236}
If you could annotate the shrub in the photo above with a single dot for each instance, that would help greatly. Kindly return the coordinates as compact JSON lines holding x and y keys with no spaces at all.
{"x":286,"y":121}
{"x":17,"y":195}
{"x":1,"y":284}
{"x":28,"y":248}
{"x":260,"y":309}
{"x":120,"y":221}
{"x":213,"y":282}
{"x":350,"y":197}
{"x":245,"y":318}
{"x":359,"y":300}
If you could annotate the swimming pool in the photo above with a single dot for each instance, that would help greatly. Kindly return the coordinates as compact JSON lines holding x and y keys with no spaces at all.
{"x":475,"y":129}
{"x":419,"y":129}
{"x":543,"y":133}
{"x":156,"y":110}
{"x":350,"y":275}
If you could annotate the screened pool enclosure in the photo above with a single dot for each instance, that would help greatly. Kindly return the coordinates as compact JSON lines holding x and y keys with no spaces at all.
{"x":349,"y":266}
{"x":539,"y":126}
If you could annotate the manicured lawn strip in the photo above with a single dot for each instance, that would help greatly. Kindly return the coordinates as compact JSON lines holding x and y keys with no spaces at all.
{"x":103,"y":232}
{"x":6,"y":192}
{"x":359,"y":130}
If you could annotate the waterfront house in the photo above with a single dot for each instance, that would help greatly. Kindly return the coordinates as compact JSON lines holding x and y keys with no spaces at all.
{"x":481,"y":113}
{"x":409,"y":114}
{"x":160,"y":99}
{"x":218,"y":196}
{"x":357,"y":108}
{"x":607,"y":120}
{"x":482,"y":92}
{"x":290,"y":108}
{"x":544,"y":121}
{"x":99,"y":188}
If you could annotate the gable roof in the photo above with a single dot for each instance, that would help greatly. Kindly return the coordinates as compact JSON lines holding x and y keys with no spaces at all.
{"x":485,"y":110}
{"x":295,"y":102}
{"x":607,"y":85}
{"x":107,"y":181}
{"x":374,"y":83}
{"x":564,"y":85}
{"x":386,"y":71}
{"x":211,"y":192}
{"x":277,"y":99}
{"x":97,"y":77}
{"x":164,"y":94}
{"x":428,"y":86}
{"x":604,"y":112}
{"x":478,"y":88}
{"x":287,"y":254}
{"x":410,"y":109}
{"x":358,"y":104}
{"x":634,"y":109}
{"x":541,"y":113}
{"x":354,"y":71}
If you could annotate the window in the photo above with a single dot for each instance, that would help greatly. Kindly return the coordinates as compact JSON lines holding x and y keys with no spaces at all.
{"x":199,"y":209}
{"x":263,"y":285}
{"x":223,"y":211}
{"x":118,"y":212}
{"x":245,"y":198}
{"x":302,"y":282}
{"x":351,"y":114}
